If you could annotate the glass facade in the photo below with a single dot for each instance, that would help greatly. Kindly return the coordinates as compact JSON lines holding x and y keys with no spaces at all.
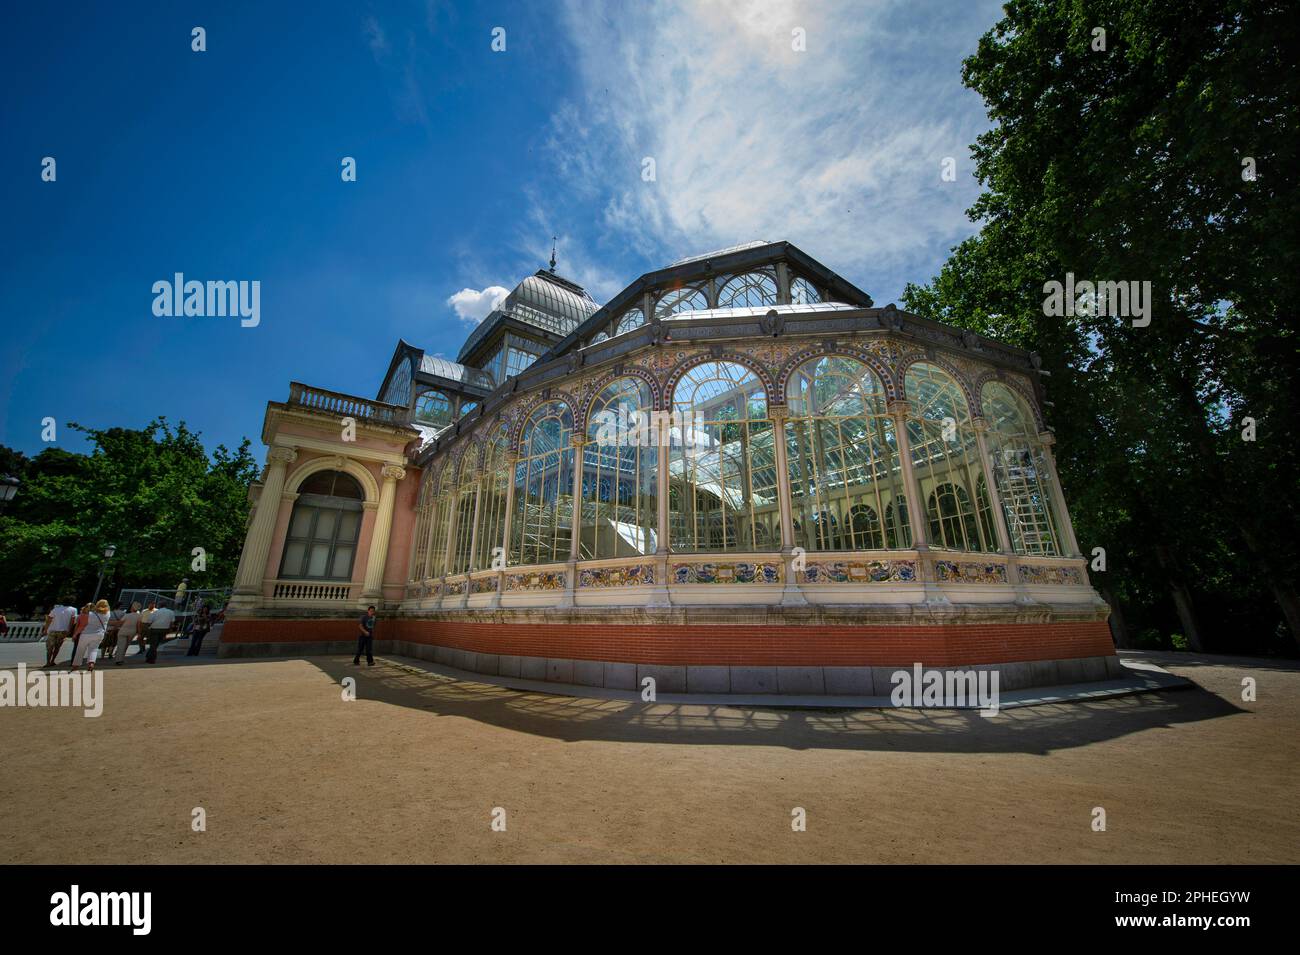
{"x":542,"y":521}
{"x":1021,"y":472}
{"x":620,"y":474}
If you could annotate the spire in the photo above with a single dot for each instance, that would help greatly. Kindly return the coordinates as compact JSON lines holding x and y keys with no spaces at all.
{"x":553,"y":238}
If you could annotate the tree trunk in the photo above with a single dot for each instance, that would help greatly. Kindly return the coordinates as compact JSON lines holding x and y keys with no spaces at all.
{"x":1118,"y":626}
{"x":1182,"y":598}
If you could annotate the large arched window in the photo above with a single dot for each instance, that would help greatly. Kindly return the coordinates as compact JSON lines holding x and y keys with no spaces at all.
{"x":424,"y":514}
{"x":466,"y":503}
{"x":689,"y":298}
{"x":541,"y":525}
{"x":323,"y":530}
{"x":1020,"y":472}
{"x":442,"y":523}
{"x":619,"y":474}
{"x":945,"y":460}
{"x":434,"y":408}
{"x":722,"y":464}
{"x":492,"y":512}
{"x":749,"y":289}
{"x":842,"y":455}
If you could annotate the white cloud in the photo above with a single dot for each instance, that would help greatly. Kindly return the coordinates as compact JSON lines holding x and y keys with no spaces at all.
{"x":375,"y":37}
{"x":473,"y":305}
{"x":837,"y":149}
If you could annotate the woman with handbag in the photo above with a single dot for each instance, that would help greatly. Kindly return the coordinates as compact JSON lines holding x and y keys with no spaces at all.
{"x":96,"y":627}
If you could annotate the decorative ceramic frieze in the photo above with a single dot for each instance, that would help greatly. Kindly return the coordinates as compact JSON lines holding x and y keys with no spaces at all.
{"x":739,"y":572}
{"x":454,"y":588}
{"x":857,"y":572}
{"x":483,"y":585}
{"x":539,"y":580}
{"x":633,"y":575}
{"x":1056,"y":576}
{"x":970,"y":572}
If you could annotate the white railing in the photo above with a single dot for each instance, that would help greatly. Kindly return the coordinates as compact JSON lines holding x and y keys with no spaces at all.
{"x":303,"y":590}
{"x":337,"y":404}
{"x":23,"y":631}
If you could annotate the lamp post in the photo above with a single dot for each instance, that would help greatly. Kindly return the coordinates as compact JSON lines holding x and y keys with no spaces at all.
{"x":8,"y":488}
{"x":109,"y":551}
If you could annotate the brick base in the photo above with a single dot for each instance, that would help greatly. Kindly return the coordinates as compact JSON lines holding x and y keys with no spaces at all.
{"x":699,"y":645}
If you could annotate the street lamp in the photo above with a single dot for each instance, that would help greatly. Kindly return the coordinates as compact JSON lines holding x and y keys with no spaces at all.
{"x":109,"y":551}
{"x":8,"y":488}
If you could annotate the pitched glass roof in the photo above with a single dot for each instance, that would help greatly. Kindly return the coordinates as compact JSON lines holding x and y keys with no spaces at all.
{"x":454,"y":371}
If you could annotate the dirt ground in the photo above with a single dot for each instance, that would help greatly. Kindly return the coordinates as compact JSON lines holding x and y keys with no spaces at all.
{"x":411,"y":771}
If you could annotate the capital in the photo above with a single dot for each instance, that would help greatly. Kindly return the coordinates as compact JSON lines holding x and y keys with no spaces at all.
{"x":1047,"y":438}
{"x":393,"y":472}
{"x":898,"y":406}
{"x":281,"y":455}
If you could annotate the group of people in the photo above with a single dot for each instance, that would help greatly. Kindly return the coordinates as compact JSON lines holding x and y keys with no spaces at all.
{"x":96,"y":630}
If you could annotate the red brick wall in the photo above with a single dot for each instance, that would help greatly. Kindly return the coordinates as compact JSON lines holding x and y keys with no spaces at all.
{"x":956,"y":645}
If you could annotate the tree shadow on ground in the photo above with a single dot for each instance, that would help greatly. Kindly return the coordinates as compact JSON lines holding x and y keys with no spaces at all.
{"x":1037,"y":730}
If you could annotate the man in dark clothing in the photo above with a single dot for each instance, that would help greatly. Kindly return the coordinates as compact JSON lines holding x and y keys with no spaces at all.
{"x":366,"y":641}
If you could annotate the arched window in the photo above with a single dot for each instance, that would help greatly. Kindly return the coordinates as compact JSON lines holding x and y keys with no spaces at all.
{"x":620,"y":474}
{"x":749,"y":289}
{"x":467,"y":406}
{"x":492,"y":517}
{"x":722,"y":462}
{"x":466,"y":504}
{"x":803,"y":292}
{"x":446,"y":506}
{"x":945,"y":459}
{"x":1020,"y":472}
{"x":541,"y":526}
{"x":323,"y":528}
{"x":424,"y":515}
{"x":433,"y":407}
{"x":632,"y":318}
{"x":689,"y":298}
{"x":842,"y":455}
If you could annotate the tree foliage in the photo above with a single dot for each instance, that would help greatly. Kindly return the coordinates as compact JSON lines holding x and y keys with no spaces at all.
{"x":1130,"y":163}
{"x":155,"y":493}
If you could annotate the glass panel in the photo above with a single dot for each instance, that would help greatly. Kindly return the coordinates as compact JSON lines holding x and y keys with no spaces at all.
{"x":325,"y":525}
{"x":293,"y":554}
{"x":541,"y":523}
{"x":945,"y":459}
{"x":721,"y":463}
{"x":300,"y":526}
{"x":1021,"y":472}
{"x":620,"y":511}
{"x":843,"y":460}
{"x":318,"y":559}
{"x":349,"y":521}
{"x":433,"y":407}
{"x":748,"y":290}
{"x":342,"y":563}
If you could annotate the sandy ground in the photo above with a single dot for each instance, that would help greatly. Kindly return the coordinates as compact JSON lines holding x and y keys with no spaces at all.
{"x":411,"y":771}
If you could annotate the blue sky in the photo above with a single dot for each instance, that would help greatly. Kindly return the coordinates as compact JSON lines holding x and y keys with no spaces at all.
{"x":225,"y":165}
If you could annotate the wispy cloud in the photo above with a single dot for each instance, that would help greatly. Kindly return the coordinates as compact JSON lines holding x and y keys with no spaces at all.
{"x":376,"y":39}
{"x":837,"y":148}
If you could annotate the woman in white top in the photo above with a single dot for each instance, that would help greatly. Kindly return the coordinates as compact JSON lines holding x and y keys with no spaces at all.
{"x":96,"y":626}
{"x":130,"y":627}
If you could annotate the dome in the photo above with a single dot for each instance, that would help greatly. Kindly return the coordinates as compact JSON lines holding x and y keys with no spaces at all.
{"x":549,"y":302}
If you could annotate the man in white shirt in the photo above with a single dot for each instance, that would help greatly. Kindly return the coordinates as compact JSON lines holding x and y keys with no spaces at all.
{"x":58,"y":627}
{"x":159,"y":623}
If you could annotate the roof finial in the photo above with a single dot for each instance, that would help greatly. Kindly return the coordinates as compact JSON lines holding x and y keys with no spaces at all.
{"x":553,"y":238}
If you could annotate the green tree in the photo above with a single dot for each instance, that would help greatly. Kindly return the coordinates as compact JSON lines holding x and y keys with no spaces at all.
{"x":1134,"y":163}
{"x":154,"y":492}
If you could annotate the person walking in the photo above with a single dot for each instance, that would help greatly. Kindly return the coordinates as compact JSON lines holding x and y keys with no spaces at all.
{"x":366,"y":640}
{"x":109,"y":643}
{"x":129,"y":629}
{"x":160,"y":621}
{"x":58,"y":627}
{"x":91,"y":635}
{"x":83,"y":618}
{"x":199,"y":630}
